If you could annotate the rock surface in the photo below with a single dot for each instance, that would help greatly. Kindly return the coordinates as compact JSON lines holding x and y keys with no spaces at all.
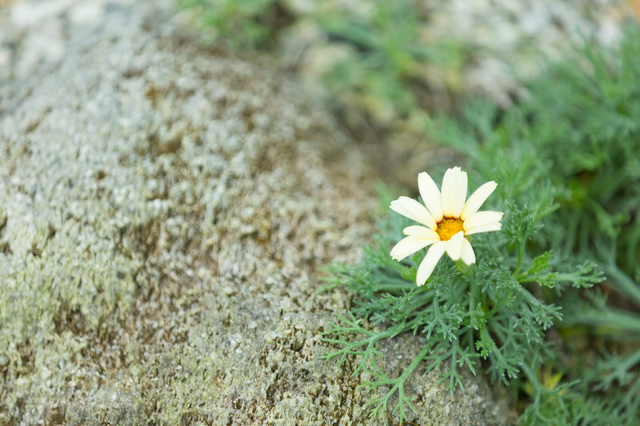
{"x":34,"y":33}
{"x":163,"y":215}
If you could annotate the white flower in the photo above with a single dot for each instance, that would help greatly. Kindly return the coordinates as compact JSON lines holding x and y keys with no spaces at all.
{"x":447,"y":219}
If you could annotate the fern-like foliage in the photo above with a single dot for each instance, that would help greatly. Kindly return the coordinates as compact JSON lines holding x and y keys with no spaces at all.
{"x":464,"y":315}
{"x":579,"y":130}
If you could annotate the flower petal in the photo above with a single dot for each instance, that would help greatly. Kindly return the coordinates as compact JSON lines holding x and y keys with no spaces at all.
{"x":467,"y":255}
{"x":420,"y":231}
{"x":429,"y":262}
{"x":410,"y":245}
{"x":413,"y":210}
{"x":454,"y":246}
{"x":459,"y":194}
{"x":398,"y":207}
{"x":477,"y":199}
{"x":448,"y":191}
{"x":481,"y":219}
{"x":485,"y":228}
{"x":430,"y":195}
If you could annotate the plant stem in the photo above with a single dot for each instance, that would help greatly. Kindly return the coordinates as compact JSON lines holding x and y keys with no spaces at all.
{"x":520,"y":257}
{"x":623,"y":282}
{"x":616,"y":319}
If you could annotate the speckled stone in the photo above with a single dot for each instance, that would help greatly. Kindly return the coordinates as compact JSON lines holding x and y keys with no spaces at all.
{"x":164,"y":213}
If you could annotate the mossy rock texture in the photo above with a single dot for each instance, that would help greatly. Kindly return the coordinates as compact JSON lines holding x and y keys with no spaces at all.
{"x":164,"y":213}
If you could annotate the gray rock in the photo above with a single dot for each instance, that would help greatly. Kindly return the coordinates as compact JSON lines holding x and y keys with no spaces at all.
{"x":163,"y":215}
{"x":35,"y":33}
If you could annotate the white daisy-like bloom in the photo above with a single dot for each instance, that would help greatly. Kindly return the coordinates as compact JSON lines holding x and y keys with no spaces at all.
{"x":447,"y":220}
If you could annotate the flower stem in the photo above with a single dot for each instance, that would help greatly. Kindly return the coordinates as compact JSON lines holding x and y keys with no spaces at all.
{"x":622,"y":281}
{"x":520,"y":257}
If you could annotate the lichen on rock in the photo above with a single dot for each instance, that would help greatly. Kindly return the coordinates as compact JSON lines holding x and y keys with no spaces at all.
{"x":163,"y":214}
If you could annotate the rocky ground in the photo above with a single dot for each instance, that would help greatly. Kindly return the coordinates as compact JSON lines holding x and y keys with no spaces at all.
{"x":36,"y":33}
{"x":164,"y":212}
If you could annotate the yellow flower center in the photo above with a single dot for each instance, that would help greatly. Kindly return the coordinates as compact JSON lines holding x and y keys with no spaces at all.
{"x":449,"y":227}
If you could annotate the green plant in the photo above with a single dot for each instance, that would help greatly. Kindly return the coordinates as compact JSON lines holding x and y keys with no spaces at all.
{"x":580,"y":131}
{"x":390,"y":61}
{"x":245,"y":24}
{"x":463,"y":314}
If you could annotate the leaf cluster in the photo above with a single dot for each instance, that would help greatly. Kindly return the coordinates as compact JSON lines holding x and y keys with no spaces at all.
{"x":579,"y":131}
{"x":465,"y":315}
